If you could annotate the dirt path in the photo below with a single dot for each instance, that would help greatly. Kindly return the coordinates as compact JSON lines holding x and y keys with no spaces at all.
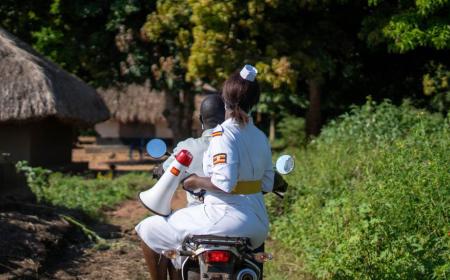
{"x":124,"y":259}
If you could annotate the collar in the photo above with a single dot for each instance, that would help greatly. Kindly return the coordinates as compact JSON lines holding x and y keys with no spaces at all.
{"x":207,"y":132}
{"x":234,"y":122}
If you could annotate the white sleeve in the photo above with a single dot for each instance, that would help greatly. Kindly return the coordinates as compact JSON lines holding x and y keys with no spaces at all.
{"x":224,"y":159}
{"x":269,"y":174}
{"x":171,"y":158}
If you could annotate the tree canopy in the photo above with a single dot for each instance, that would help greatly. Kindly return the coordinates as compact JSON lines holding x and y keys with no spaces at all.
{"x":314,"y":57}
{"x":405,"y":26}
{"x":96,"y":40}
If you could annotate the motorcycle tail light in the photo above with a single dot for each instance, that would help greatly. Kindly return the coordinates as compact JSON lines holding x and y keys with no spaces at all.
{"x":216,"y":256}
{"x":262,"y":257}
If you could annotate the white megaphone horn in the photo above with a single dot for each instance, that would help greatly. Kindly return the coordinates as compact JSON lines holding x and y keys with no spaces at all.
{"x":158,"y":198}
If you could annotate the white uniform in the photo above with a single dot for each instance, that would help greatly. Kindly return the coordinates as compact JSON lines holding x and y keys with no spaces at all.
{"x":247,"y":158}
{"x":197,"y":147}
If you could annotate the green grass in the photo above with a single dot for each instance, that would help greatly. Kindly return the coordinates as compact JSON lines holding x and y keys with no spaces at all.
{"x":92,"y":196}
{"x":370,"y":198}
{"x":285,"y":264}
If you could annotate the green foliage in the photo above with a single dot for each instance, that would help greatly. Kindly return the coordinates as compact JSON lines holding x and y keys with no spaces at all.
{"x":406,"y":26}
{"x":168,"y":29}
{"x":370,"y":197}
{"x":177,"y":44}
{"x":292,"y":131}
{"x":110,"y":52}
{"x":285,"y":265}
{"x":75,"y":192}
{"x":420,"y":29}
{"x":436,"y":84}
{"x":37,"y":178}
{"x":94,"y":195}
{"x":210,"y":39}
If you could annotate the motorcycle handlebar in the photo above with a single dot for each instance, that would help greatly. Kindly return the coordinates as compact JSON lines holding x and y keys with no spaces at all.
{"x":185,"y":253}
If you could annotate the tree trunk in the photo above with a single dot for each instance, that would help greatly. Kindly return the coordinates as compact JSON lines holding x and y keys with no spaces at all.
{"x":313,"y":116}
{"x":258,"y":117}
{"x":179,"y":110}
{"x":272,"y":128}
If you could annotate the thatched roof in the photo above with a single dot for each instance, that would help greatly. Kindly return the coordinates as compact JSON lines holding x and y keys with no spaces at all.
{"x":135,"y":103}
{"x":140,"y":103}
{"x":32,"y":87}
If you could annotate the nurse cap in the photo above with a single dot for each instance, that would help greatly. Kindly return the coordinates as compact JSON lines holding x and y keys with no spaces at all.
{"x":248,"y":73}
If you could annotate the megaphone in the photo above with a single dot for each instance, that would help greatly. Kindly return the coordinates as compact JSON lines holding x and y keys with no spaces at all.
{"x":158,"y":198}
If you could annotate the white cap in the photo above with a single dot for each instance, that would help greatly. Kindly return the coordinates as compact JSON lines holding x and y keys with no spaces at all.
{"x":249,"y":73}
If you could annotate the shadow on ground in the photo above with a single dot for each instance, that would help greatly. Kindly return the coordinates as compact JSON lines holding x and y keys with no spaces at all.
{"x":36,"y":240}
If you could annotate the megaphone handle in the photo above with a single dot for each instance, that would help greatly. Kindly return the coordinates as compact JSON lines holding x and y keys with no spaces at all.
{"x":279,"y":194}
{"x":199,"y":194}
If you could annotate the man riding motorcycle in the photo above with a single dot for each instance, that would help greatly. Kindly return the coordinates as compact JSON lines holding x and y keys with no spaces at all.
{"x":212,"y":113}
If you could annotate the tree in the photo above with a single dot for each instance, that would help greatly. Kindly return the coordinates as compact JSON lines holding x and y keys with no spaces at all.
{"x":103,"y":42}
{"x":408,"y":25}
{"x":315,"y":57}
{"x":168,"y":30}
{"x":419,"y":29}
{"x":96,"y":40}
{"x":291,"y":43}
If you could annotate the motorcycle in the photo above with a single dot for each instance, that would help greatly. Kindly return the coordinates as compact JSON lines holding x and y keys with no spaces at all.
{"x":222,"y":257}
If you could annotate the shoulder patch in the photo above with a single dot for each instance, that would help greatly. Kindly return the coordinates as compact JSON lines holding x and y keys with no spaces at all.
{"x":218,"y":131}
{"x":219,"y":158}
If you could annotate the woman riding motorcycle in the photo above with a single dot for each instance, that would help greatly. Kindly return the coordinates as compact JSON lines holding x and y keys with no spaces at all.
{"x":238,"y":168}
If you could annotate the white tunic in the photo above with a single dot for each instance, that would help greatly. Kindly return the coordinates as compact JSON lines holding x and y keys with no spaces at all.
{"x":248,"y":158}
{"x":197,"y":147}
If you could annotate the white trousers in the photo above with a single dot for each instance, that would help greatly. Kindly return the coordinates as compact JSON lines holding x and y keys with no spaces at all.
{"x":163,"y":233}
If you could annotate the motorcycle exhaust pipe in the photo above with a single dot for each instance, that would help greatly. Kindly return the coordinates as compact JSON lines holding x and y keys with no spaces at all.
{"x":247,"y":274}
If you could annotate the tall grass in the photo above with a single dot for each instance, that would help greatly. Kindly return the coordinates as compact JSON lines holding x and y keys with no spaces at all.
{"x":370,"y":198}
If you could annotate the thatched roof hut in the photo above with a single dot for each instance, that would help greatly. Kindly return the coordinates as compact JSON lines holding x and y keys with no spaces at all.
{"x":140,"y":111}
{"x":135,"y":103}
{"x":40,"y":104}
{"x":137,"y":111}
{"x":32,"y":88}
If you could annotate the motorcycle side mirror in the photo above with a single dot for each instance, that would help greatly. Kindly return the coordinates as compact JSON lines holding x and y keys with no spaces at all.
{"x":285,"y":164}
{"x":156,"y":148}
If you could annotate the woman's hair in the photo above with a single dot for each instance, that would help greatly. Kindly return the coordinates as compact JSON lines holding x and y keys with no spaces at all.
{"x":239,"y":96}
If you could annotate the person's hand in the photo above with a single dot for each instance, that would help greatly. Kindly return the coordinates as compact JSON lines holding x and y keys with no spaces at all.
{"x":158,"y":171}
{"x":190,"y":183}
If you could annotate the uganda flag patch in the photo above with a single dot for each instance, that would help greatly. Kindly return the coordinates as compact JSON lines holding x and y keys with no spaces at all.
{"x":216,"y":133}
{"x":219,"y":158}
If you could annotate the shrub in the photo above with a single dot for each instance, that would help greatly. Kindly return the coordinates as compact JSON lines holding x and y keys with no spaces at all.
{"x":370,"y":197}
{"x":292,"y":130}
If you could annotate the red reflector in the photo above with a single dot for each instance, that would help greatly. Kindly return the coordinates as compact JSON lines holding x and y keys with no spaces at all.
{"x":175,"y":171}
{"x":216,"y":256}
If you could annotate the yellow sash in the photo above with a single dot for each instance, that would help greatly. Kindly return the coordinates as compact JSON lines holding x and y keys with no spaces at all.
{"x":247,"y":187}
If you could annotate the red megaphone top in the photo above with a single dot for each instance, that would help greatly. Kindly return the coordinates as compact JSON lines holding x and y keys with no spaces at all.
{"x":184,"y":157}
